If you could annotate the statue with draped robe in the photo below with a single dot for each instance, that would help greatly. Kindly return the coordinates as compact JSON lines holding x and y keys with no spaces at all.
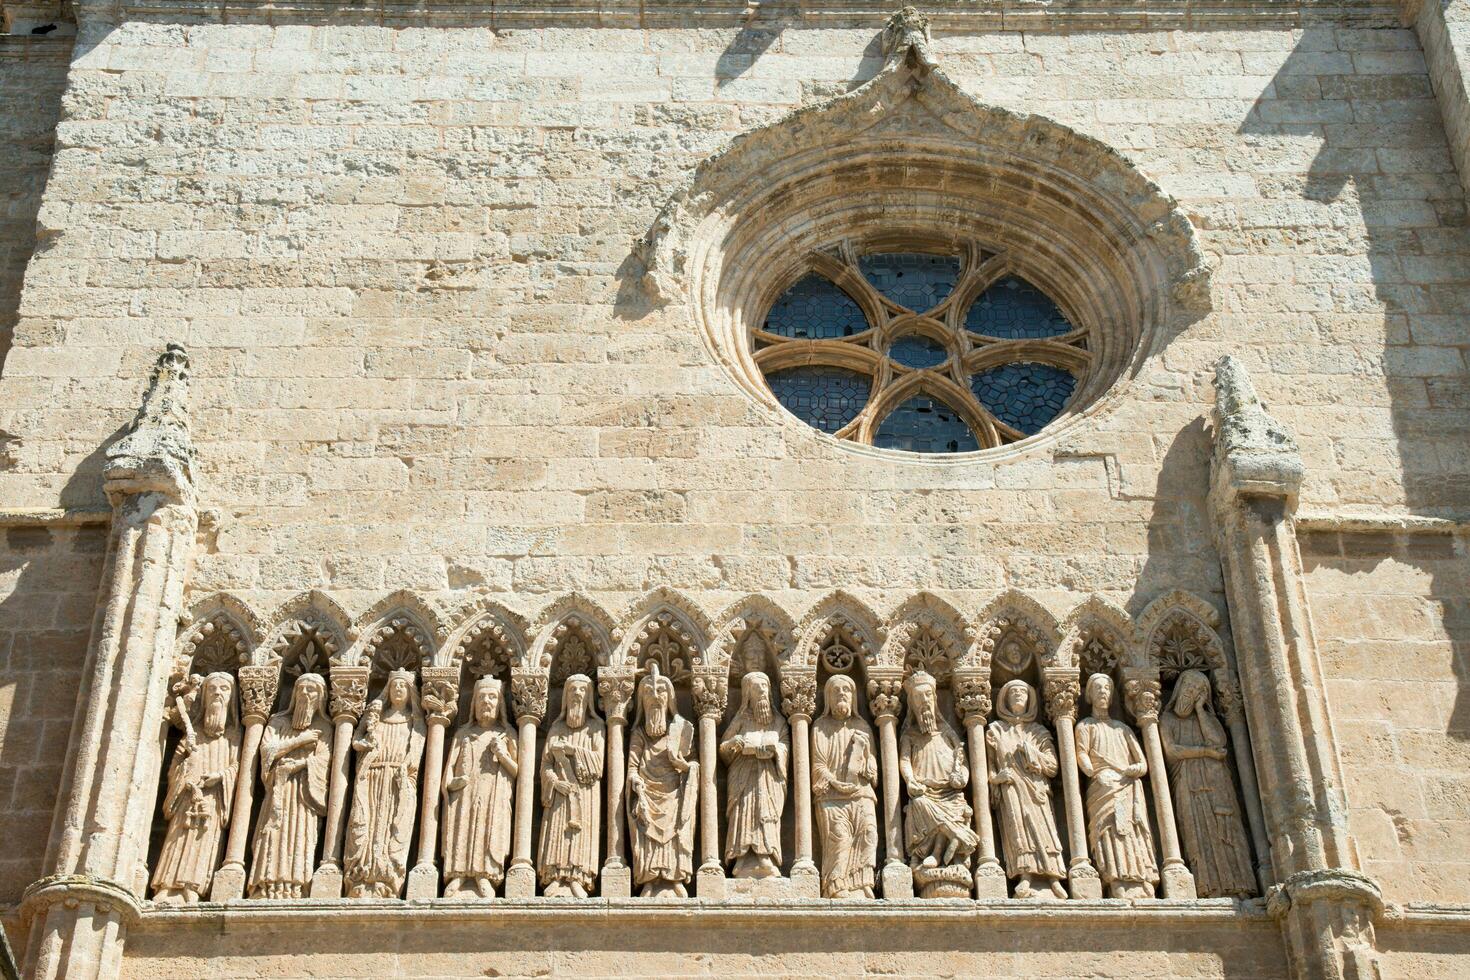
{"x":390,"y":746}
{"x":931,"y":759}
{"x":295,"y":764}
{"x":480,"y":777}
{"x":1023,"y":764}
{"x":844,"y":772}
{"x":571,"y":794}
{"x":1118,"y":833}
{"x":756,"y":750}
{"x":663,"y":791}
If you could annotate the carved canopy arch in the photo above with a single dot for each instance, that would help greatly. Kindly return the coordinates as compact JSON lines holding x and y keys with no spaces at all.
{"x":754,"y":621}
{"x":223,"y":634}
{"x":926,"y":633}
{"x":307,"y":632}
{"x":489,"y":638}
{"x":667,"y":626}
{"x":1179,"y":634}
{"x":400,"y":631}
{"x":1015,"y":631}
{"x":908,"y":161}
{"x":573,"y":631}
{"x":1099,"y":635}
{"x":841,"y":631}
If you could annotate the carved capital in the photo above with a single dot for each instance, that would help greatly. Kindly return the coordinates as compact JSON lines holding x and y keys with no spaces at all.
{"x":711,"y":690}
{"x":799,"y":696}
{"x":528,"y":694}
{"x":615,"y":689}
{"x":972,"y":696}
{"x":71,"y":891}
{"x":1227,"y":697}
{"x":1341,"y":886}
{"x":885,"y":694}
{"x":1144,"y":697}
{"x":349,"y":693}
{"x":258,"y":685}
{"x":439,"y":687}
{"x":157,"y":453}
{"x":1061,"y":688}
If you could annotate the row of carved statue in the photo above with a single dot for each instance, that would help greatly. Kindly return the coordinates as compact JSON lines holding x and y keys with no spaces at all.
{"x":932,"y":794}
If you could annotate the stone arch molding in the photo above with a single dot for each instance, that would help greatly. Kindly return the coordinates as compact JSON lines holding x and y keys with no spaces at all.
{"x":909,"y":156}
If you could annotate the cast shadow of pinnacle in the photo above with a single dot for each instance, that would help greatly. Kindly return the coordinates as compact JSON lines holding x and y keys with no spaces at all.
{"x":1385,"y":187}
{"x":748,"y":44}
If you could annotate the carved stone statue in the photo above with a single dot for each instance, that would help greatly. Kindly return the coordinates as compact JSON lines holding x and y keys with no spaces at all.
{"x":844,"y":772}
{"x":663,"y":791}
{"x":1024,"y":764}
{"x":571,"y":791}
{"x":756,"y":750}
{"x":931,"y":759}
{"x":478,"y":789}
{"x":201,"y":787}
{"x":1118,"y":833}
{"x":390,"y":746}
{"x":1204,"y":792}
{"x":295,"y":764}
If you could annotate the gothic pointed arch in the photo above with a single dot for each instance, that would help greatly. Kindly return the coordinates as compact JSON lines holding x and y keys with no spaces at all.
{"x":1013,"y":631}
{"x":400,"y":631}
{"x":223,"y":634}
{"x":926,"y":633}
{"x":667,"y":628}
{"x":1179,"y":633}
{"x":307,"y":632}
{"x":839,"y":630}
{"x":1098,"y":635}
{"x":575,"y":634}
{"x":750,"y":629}
{"x":908,"y":162}
{"x":488,"y":638}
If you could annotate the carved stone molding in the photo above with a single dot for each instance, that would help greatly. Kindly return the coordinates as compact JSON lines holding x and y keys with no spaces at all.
{"x":615,"y":690}
{"x":74,"y":890}
{"x":711,"y":692}
{"x":440,"y":693}
{"x":1061,"y":688}
{"x":157,"y":453}
{"x":258,"y":685}
{"x":349,"y":692}
{"x":799,"y":696}
{"x":528,"y":693}
{"x":885,"y":694}
{"x":972,"y":696}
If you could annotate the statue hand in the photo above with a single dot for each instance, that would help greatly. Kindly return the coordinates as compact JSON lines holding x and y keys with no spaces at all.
{"x":564,"y":787}
{"x":456,"y":784}
{"x":917,"y":788}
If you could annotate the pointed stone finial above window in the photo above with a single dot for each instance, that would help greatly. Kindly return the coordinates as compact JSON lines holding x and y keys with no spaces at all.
{"x":1255,"y":455}
{"x":906,"y":37}
{"x":157,"y":454}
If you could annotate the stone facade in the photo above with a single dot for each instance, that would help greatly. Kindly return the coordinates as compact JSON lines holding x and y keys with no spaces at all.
{"x":465,"y":388}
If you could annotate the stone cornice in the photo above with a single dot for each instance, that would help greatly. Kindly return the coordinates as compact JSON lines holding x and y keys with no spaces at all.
{"x":946,"y":16}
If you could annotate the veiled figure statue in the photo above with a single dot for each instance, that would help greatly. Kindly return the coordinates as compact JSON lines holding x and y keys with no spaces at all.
{"x":1204,"y":792}
{"x":844,"y":772}
{"x":478,"y":788}
{"x":756,"y":750}
{"x":390,"y":746}
{"x":931,"y":759}
{"x":1118,"y":831}
{"x":571,"y":791}
{"x":201,"y":788}
{"x":1024,"y":762}
{"x":295,"y":764}
{"x":663,"y":791}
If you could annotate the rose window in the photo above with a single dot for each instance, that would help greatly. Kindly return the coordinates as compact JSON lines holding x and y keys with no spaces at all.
{"x":927,"y":351}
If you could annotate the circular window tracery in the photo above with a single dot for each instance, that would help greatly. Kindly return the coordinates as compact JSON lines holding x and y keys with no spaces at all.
{"x":943,"y":351}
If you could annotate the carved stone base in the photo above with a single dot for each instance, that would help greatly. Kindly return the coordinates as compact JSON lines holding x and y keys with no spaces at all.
{"x":1178,"y":882}
{"x":709,"y":883}
{"x":990,"y":881}
{"x":806,"y":880}
{"x":775,"y":889}
{"x":228,"y":884}
{"x":897,"y":881}
{"x":327,"y":882}
{"x":940,"y":881}
{"x":423,"y":881}
{"x":520,"y":881}
{"x":616,"y":881}
{"x":1083,"y":881}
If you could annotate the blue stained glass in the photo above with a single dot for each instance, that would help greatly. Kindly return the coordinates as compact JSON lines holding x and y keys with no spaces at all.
{"x":1015,"y":309}
{"x":912,"y":280}
{"x":925,"y":425}
{"x":917,"y":351}
{"x":815,"y":309}
{"x":1025,"y":396}
{"x":825,"y":397}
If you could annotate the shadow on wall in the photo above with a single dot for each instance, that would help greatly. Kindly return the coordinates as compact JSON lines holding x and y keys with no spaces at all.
{"x":1381,"y":184}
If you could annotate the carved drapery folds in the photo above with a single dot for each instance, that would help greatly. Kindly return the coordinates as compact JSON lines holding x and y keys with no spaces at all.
{"x":425,"y":754}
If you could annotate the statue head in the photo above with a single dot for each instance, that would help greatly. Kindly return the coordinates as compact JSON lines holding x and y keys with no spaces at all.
{"x":840,"y":697}
{"x":922,"y":692}
{"x":1190,"y":691}
{"x":755,"y":695}
{"x":307,"y":698}
{"x":485,"y":701}
{"x":398,"y":689}
{"x":1017,"y":703}
{"x":655,"y":701}
{"x":576,"y":697}
{"x":217,"y":696}
{"x":1100,"y":694}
